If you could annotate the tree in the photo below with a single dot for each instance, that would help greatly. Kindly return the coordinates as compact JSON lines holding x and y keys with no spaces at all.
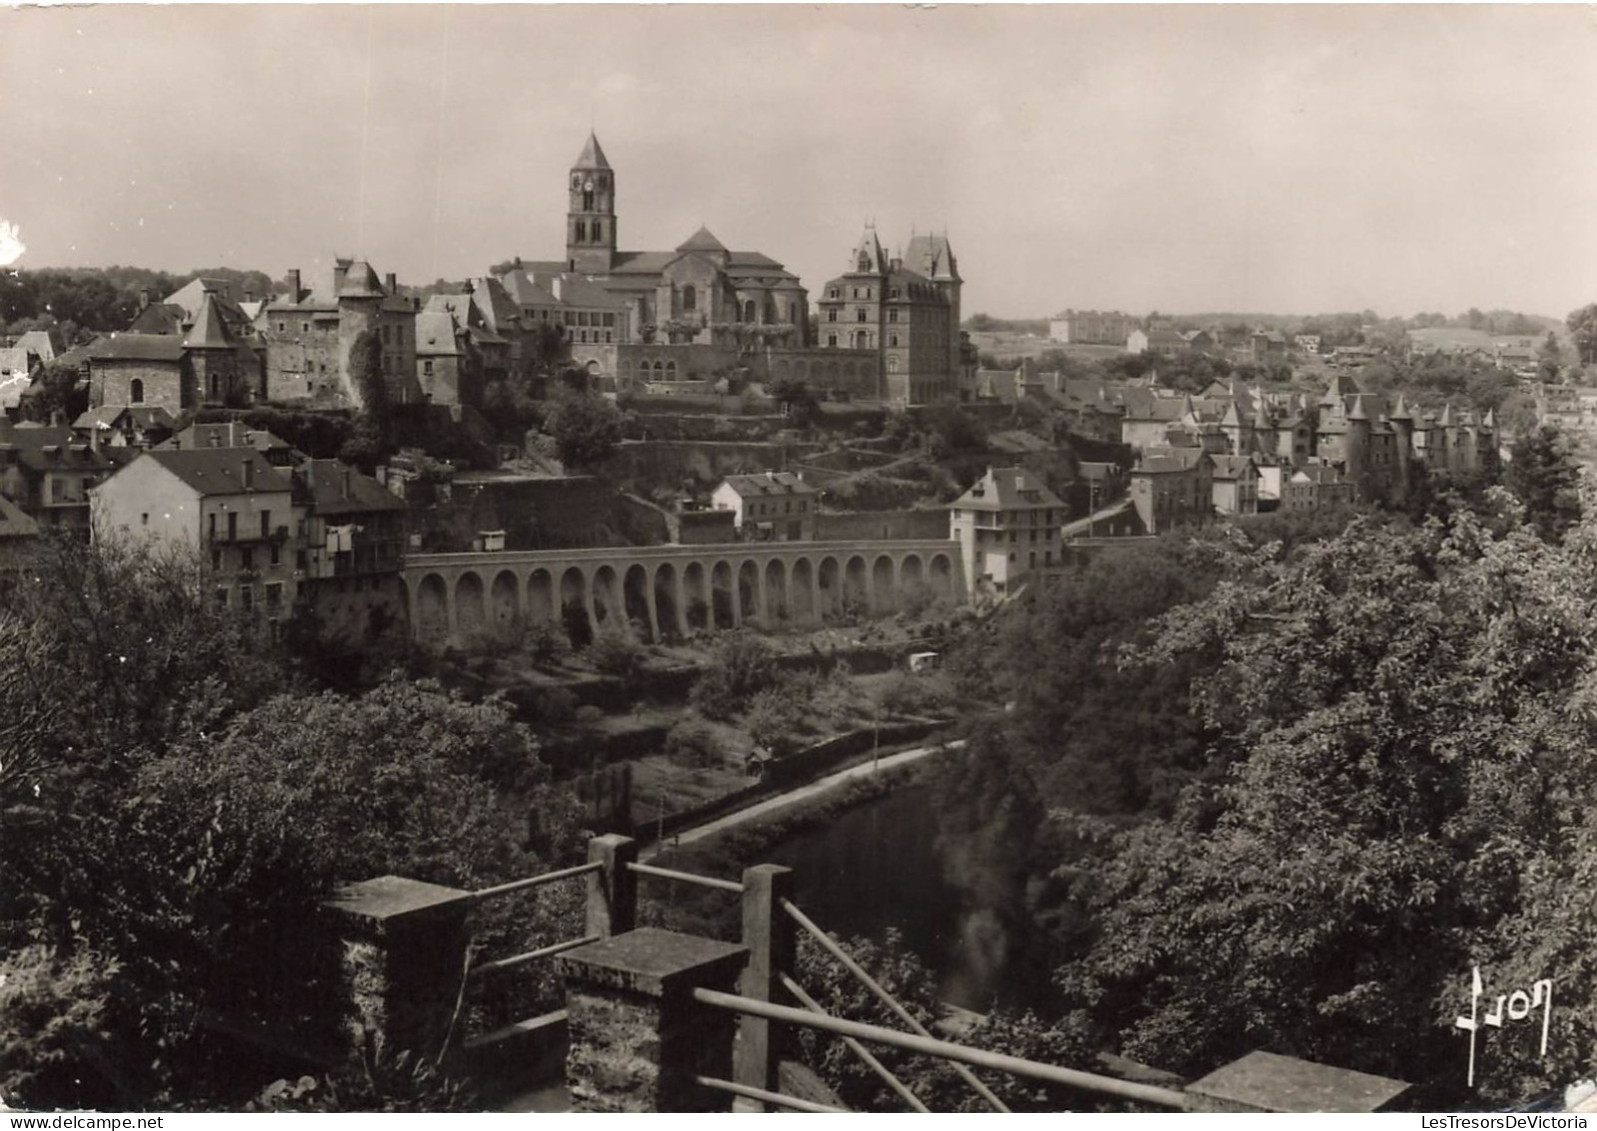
{"x":1406,"y":714}
{"x":1543,"y":473}
{"x":797,"y":399}
{"x":1549,"y":357}
{"x":586,"y":429}
{"x":1582,"y":324}
{"x":741,"y":665}
{"x":59,"y":392}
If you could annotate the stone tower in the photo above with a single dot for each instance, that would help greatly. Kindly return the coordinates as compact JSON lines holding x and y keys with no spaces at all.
{"x":591,"y":218}
{"x":1356,"y":453}
{"x":360,"y":302}
{"x":1402,"y":421}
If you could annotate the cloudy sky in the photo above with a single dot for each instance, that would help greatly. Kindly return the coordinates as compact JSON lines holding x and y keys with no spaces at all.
{"x":1248,"y":158}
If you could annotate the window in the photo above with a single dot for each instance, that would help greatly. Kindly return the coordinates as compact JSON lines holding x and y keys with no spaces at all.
{"x":892,"y":315}
{"x":831,"y":339}
{"x":246,"y":595}
{"x":246,"y":558}
{"x":136,"y":391}
{"x":609,"y":319}
{"x":221,"y":597}
{"x":690,"y":298}
{"x":427,"y":368}
{"x":892,"y":339}
{"x":598,"y":230}
{"x":212,"y":533}
{"x":831,"y":292}
{"x":216,"y":561}
{"x":232,"y":526}
{"x":266,"y":524}
{"x":304,"y":327}
{"x":282,"y":328}
{"x":276,"y":553}
{"x":831,"y":316}
{"x":144,"y":519}
{"x":274,"y":597}
{"x":582,"y":231}
{"x":299,"y":560}
{"x":749,"y":314}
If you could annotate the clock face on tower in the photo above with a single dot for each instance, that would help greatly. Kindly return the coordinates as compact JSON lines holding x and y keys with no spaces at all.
{"x":589,"y":185}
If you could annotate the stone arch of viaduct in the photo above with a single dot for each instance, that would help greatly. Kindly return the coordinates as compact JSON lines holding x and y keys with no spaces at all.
{"x":663,"y":591}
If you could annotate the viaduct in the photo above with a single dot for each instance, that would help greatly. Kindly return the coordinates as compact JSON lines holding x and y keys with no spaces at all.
{"x":673,"y":590}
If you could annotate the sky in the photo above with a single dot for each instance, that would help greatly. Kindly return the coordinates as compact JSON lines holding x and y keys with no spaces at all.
{"x":1190,"y":158}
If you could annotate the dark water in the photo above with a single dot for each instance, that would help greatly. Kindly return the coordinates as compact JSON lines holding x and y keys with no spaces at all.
{"x":877,"y":867}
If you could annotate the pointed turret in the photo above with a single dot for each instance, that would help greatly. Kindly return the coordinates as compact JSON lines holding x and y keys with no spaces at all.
{"x":869,"y":259}
{"x":1400,"y":411}
{"x":1446,"y":419}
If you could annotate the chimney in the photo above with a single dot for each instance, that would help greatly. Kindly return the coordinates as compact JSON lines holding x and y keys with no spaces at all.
{"x":232,"y":433}
{"x":391,"y":283}
{"x":293,"y":286}
{"x":249,"y":294}
{"x":94,"y":437}
{"x":248,"y":475}
{"x":144,"y":297}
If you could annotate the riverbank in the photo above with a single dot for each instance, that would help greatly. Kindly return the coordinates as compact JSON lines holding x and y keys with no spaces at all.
{"x":749,"y":837}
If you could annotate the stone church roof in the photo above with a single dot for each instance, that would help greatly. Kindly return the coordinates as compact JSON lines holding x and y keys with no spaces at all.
{"x":702,"y":240}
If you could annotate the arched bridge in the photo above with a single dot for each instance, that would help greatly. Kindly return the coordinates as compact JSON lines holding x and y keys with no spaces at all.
{"x":673,"y":590}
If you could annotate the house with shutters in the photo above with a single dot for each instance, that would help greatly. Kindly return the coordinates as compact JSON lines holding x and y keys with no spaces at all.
{"x":771,"y":506}
{"x":228,"y":506}
{"x":1008,"y":527}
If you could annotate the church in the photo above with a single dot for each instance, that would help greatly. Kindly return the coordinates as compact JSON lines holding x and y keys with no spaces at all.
{"x":701,"y":292}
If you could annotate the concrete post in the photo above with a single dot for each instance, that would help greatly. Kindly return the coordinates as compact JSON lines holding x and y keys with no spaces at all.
{"x":404,"y":955}
{"x":613,"y":892}
{"x":638,"y":1038}
{"x":768,"y":933}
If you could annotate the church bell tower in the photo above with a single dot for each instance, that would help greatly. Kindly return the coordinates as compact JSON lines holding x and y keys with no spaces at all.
{"x":591,"y":218}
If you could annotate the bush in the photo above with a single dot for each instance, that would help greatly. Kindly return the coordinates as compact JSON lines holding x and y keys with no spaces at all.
{"x":51,"y":1013}
{"x":776,"y":715}
{"x":742,"y":665}
{"x":692,"y":743}
{"x":906,"y":694}
{"x":544,"y":642}
{"x":614,"y":652}
{"x":554,"y":705}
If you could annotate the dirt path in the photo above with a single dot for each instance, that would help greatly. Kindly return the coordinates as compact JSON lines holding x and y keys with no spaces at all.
{"x":799,"y":793}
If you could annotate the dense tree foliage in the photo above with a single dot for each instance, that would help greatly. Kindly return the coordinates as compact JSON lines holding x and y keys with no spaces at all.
{"x":585,"y":426}
{"x":1582,"y":324}
{"x":79,"y":302}
{"x":1405,"y":717}
{"x":173,"y":806}
{"x":1543,"y":474}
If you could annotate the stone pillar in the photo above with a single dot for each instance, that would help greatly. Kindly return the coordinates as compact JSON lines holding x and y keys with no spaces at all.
{"x":587,"y":602}
{"x":612,"y":906}
{"x":679,"y":599}
{"x":451,"y":607}
{"x":654,"y":613}
{"x":762,"y":610}
{"x":405,"y":944}
{"x":638,"y":1038}
{"x":768,"y":933}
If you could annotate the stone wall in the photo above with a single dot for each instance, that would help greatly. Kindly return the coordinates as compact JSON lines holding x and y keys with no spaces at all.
{"x":535,"y":514}
{"x":860,"y":526}
{"x":166,"y":383}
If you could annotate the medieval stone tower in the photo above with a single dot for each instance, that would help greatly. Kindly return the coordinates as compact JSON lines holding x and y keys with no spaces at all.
{"x":591,"y":218}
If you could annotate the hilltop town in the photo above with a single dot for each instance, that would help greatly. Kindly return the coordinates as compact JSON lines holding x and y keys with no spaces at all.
{"x":613,"y":546}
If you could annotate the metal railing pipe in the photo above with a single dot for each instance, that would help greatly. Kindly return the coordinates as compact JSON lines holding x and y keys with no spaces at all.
{"x":887,"y":999}
{"x":530,"y":956}
{"x":686,"y":877}
{"x":948,"y":1050}
{"x":753,"y":1093}
{"x":534,"y":881}
{"x":858,"y":1049}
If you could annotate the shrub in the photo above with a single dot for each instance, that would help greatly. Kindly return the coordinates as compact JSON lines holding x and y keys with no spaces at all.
{"x":544,"y":642}
{"x":51,"y":1014}
{"x":589,"y":714}
{"x":692,"y":743}
{"x":907,"y":694}
{"x":742,"y":665}
{"x":776,"y":715}
{"x":614,"y":652}
{"x":554,"y":705}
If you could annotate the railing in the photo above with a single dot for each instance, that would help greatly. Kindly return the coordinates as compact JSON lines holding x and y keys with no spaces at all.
{"x":770,"y":925}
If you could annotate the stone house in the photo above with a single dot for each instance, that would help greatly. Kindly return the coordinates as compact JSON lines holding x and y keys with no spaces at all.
{"x":1235,"y":484}
{"x":48,"y":473}
{"x":771,"y":506}
{"x":1173,"y":489}
{"x":1007,"y":526}
{"x":229,"y":506}
{"x":350,"y":551}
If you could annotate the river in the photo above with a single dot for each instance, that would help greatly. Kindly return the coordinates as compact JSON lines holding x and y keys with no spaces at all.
{"x":877,"y":867}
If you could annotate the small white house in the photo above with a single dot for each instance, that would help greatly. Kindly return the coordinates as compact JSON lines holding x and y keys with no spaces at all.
{"x":771,"y":506}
